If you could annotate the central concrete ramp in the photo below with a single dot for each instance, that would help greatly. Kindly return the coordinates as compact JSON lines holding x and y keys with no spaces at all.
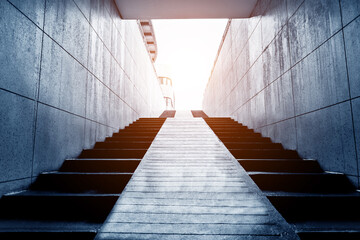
{"x":188,"y":186}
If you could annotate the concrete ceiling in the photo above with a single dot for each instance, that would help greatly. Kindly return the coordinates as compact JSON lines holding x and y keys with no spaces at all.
{"x":182,"y":9}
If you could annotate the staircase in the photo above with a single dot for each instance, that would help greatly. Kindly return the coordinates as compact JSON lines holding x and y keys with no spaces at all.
{"x":320,"y":205}
{"x":72,"y":203}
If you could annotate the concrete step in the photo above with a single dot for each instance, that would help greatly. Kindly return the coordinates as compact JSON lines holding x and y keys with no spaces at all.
{"x":135,"y":134}
{"x":56,"y":206}
{"x":27,"y":229}
{"x":331,"y":234}
{"x":122,"y":145}
{"x":100,"y":165}
{"x":150,"y":119}
{"x":225,"y":125}
{"x":142,"y":126}
{"x":302,"y":182}
{"x":145,"y":125}
{"x":218,"y":119}
{"x":46,"y":235}
{"x":231,"y":129}
{"x":168,"y":114}
{"x":316,"y":207}
{"x":245,"y":139}
{"x":264,"y":154}
{"x":198,"y":113}
{"x":129,"y":139}
{"x":113,"y":153}
{"x":238,"y":134}
{"x":253,"y":145}
{"x":81,"y":182}
{"x":310,"y":230}
{"x":140,"y":129}
{"x":281,"y":165}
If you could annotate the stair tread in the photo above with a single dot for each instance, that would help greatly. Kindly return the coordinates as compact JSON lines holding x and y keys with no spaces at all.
{"x":86,"y":173}
{"x":34,"y":193}
{"x":104,"y":159}
{"x":328,"y":226}
{"x":293,"y":174}
{"x":7,"y":225}
{"x":310,"y":195}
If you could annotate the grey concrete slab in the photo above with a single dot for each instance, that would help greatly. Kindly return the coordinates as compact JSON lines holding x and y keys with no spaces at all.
{"x":257,"y":110}
{"x":20,"y":47}
{"x":17,"y":136}
{"x":327,"y":135}
{"x":59,"y":135}
{"x":97,"y":101}
{"x":273,"y":20}
{"x":90,"y":134}
{"x":312,"y":24}
{"x":188,"y":199}
{"x":32,"y":9}
{"x":68,"y":27}
{"x":321,"y":79}
{"x":292,"y":6}
{"x":352,"y":44}
{"x":84,"y":6}
{"x":255,"y":44}
{"x":350,"y":10}
{"x":283,"y":132}
{"x":98,"y":20}
{"x":63,"y":79}
{"x":279,"y":99}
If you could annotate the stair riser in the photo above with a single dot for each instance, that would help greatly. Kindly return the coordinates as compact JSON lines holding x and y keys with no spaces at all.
{"x":61,"y":208}
{"x":232,"y":130}
{"x":238,"y":134}
{"x":93,"y":166}
{"x":48,"y":235}
{"x":82,"y":183}
{"x":307,"y":183}
{"x":138,"y":129}
{"x":111,"y":153}
{"x":245,"y":140}
{"x":129,"y":139}
{"x":122,"y":145}
{"x":264,"y":154}
{"x":323,"y":208}
{"x":135,"y":134}
{"x":330,"y":235}
{"x":230,"y":145}
{"x":289,"y":166}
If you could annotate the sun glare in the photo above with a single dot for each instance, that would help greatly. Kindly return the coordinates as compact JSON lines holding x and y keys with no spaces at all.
{"x":186,"y":52}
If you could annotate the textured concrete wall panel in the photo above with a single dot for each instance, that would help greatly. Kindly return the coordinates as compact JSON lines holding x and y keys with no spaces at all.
{"x":20,"y":52}
{"x":294,"y":77}
{"x":72,"y":73}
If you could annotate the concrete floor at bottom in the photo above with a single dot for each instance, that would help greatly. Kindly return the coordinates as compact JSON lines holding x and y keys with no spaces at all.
{"x":188,"y":186}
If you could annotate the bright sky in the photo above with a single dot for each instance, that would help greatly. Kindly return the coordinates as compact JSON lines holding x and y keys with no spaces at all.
{"x":186,"y":53}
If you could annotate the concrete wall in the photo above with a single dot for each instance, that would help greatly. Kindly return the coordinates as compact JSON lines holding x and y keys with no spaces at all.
{"x":291,"y":72}
{"x":71,"y":73}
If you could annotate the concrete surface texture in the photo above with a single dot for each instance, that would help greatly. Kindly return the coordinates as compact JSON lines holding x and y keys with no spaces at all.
{"x":291,"y":73}
{"x":188,"y":186}
{"x":72,"y":73}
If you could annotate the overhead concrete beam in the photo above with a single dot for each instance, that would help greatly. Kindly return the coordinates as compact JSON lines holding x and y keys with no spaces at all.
{"x":183,"y":9}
